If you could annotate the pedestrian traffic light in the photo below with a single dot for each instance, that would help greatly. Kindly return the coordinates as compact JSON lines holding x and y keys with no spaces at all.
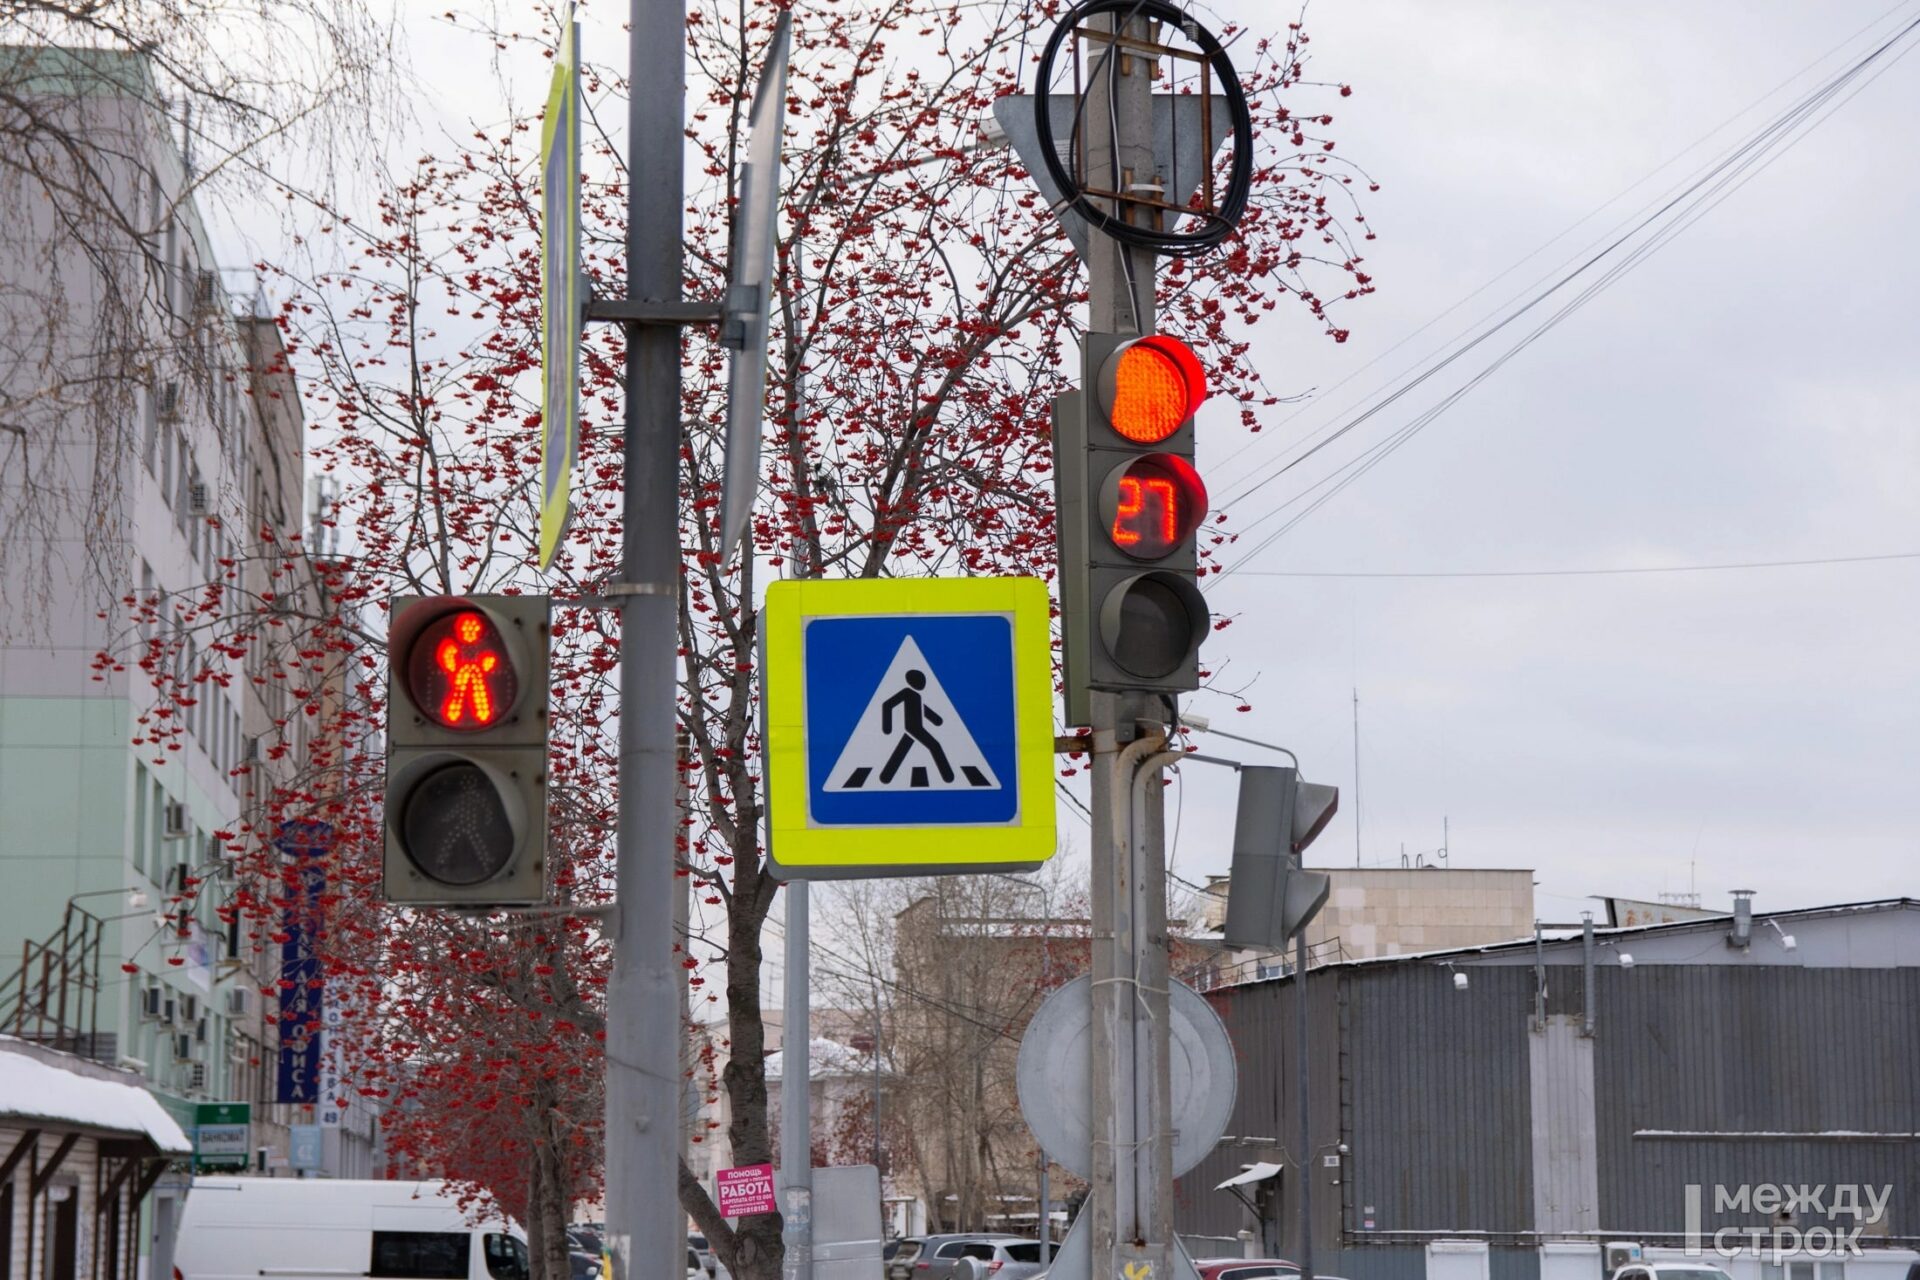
{"x":466,"y":804}
{"x":1129,"y":503}
{"x":1269,"y":898}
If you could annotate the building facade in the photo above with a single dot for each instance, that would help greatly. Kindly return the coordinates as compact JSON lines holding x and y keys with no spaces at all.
{"x":163,"y":449}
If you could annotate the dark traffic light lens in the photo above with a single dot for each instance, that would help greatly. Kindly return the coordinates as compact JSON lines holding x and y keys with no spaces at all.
{"x":1153,"y":504}
{"x":1153,"y":623}
{"x":460,"y":672}
{"x":455,"y":826}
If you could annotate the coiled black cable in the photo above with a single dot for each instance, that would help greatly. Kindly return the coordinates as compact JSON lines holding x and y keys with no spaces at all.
{"x":1217,"y":225}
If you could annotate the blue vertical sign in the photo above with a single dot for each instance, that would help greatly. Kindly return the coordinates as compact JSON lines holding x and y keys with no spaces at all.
{"x":302,"y":990}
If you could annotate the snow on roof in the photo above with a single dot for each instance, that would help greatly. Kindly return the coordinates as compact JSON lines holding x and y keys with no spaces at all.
{"x":36,"y":1085}
{"x":825,"y":1060}
{"x":1562,"y":935}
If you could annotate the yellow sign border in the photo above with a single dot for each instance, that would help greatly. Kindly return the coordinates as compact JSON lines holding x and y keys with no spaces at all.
{"x":803,"y":851}
{"x":560,"y":130}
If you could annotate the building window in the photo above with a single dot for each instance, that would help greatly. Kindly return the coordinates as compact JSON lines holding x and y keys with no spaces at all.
{"x":140,"y":818}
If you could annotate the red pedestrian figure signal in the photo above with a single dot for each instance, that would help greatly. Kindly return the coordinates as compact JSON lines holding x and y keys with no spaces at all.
{"x":460,"y":672}
{"x":468,"y":666}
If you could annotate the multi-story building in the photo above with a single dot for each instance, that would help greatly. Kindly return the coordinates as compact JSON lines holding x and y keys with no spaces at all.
{"x":163,"y":445}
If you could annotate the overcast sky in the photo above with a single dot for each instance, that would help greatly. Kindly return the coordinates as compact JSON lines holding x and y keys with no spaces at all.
{"x":1747,"y":394}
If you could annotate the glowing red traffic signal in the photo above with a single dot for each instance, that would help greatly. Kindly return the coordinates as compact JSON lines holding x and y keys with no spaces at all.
{"x":460,"y":672}
{"x":1152,"y":505}
{"x":1150,"y":386}
{"x":466,"y":798}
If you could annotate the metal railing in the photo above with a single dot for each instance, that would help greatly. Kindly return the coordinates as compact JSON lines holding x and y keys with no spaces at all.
{"x":54,"y":997}
{"x":1215,"y":972}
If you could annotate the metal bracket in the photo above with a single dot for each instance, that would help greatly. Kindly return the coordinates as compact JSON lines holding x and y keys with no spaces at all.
{"x":615,"y":593}
{"x":741,"y":311}
{"x":650,"y":311}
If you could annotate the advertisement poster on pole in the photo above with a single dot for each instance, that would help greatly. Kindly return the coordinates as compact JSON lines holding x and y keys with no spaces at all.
{"x":745,"y":1190}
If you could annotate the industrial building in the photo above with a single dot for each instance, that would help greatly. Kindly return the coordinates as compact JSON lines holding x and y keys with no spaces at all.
{"x":1508,"y":1108}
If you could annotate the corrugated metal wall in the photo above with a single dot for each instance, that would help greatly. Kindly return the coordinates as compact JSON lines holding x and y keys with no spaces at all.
{"x":1430,"y":1087}
{"x":1265,"y":1124}
{"x":1754,"y":1050}
{"x":1442,"y":1139}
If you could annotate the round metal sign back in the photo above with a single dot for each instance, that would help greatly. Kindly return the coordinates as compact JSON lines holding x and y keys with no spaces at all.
{"x":1055,"y":1069}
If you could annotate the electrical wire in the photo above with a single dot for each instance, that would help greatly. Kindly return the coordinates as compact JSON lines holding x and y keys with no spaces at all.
{"x":1216,"y":225}
{"x":1669,"y":162}
{"x":1585,"y":573}
{"x":1699,"y":197}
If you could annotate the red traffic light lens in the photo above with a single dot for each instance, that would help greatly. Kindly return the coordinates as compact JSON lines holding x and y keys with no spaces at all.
{"x":1152,"y":505}
{"x":460,"y":673}
{"x":1151,"y":386}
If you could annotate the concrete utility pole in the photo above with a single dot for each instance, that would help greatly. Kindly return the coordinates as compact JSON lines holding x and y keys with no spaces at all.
{"x":1132,"y":1182}
{"x":646,"y":1230}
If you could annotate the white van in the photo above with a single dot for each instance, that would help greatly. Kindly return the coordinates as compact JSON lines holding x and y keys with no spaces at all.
{"x":326,"y":1229}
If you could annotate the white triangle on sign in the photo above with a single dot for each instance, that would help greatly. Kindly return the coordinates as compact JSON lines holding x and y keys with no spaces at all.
{"x":910,"y":737}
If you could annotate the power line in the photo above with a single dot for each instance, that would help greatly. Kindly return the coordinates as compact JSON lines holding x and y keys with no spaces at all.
{"x":1583,"y":573}
{"x":1697,"y":198}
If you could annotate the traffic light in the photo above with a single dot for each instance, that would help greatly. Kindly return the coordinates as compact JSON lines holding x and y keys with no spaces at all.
{"x":466,"y":812}
{"x":1129,"y":503}
{"x":1269,"y":898}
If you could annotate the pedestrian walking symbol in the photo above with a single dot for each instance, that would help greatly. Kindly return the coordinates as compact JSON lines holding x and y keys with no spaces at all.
{"x":909,"y":726}
{"x":910,"y":737}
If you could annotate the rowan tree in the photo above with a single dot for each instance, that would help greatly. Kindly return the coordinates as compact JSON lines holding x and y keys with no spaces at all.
{"x":925,"y":308}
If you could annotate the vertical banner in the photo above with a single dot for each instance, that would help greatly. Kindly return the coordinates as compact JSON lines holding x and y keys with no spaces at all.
{"x":303,"y":846}
{"x":560,"y":318}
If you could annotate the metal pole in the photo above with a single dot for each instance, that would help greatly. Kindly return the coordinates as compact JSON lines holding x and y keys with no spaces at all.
{"x":876,"y":1077}
{"x":1130,"y":1201}
{"x":796,"y":1116}
{"x":1306,"y":1112}
{"x":644,"y":1219}
{"x":1586,"y":948}
{"x":1356,"y":775}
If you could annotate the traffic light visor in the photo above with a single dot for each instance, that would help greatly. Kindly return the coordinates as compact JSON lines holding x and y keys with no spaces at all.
{"x":460,"y":672}
{"x":1150,"y":387}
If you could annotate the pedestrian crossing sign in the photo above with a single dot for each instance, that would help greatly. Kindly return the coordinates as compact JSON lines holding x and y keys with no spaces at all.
{"x":908,"y":726}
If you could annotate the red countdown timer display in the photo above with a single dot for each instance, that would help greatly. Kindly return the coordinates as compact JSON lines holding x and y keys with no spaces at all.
{"x":1152,"y":505}
{"x":460,"y":672}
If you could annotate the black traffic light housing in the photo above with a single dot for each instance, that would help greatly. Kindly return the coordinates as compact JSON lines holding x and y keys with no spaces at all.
{"x":466,"y":798}
{"x":1128,"y":509}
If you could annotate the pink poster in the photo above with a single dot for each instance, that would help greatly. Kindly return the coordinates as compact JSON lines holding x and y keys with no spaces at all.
{"x":748,"y":1189}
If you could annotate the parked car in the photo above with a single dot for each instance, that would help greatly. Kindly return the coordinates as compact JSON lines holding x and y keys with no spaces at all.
{"x":1002,"y":1257}
{"x":582,"y":1265}
{"x":1250,"y":1269}
{"x":584,"y":1236}
{"x":698,"y":1243}
{"x":898,"y":1256}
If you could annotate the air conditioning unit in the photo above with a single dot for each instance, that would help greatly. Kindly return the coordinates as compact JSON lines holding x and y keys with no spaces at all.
{"x":175,"y":820}
{"x":239,"y":1002}
{"x":199,"y":499}
{"x":183,"y":1046}
{"x":169,"y":401}
{"x":152,"y":1003}
{"x":1619,"y":1253}
{"x":197,"y":1076}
